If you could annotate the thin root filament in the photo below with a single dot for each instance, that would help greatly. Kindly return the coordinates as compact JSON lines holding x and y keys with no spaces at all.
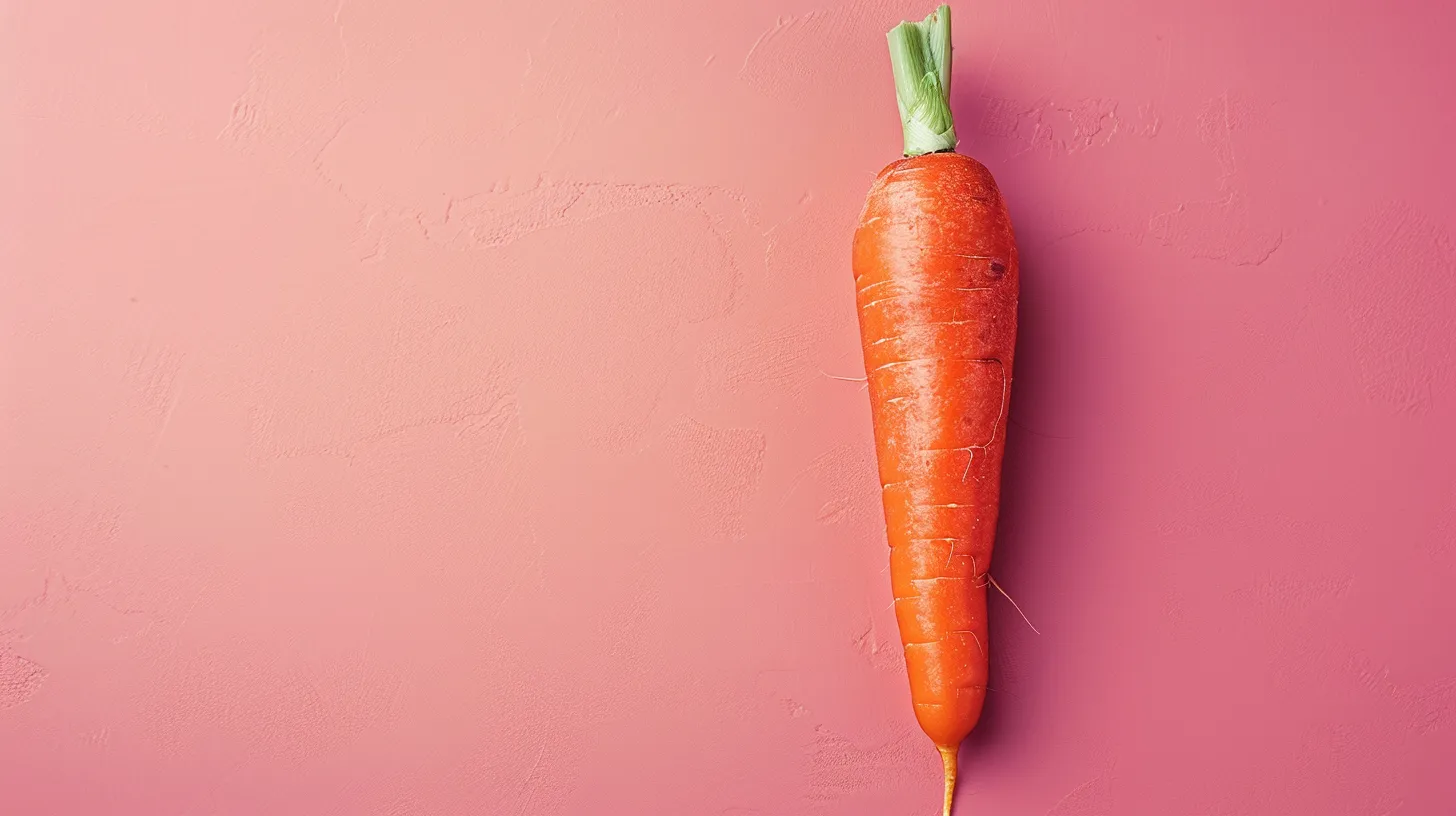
{"x":948,"y":757}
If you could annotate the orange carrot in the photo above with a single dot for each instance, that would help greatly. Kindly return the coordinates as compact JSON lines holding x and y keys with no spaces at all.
{"x":935,"y":271}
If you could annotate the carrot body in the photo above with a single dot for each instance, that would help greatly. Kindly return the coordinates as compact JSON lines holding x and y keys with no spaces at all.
{"x":936,"y":276}
{"x":937,"y":281}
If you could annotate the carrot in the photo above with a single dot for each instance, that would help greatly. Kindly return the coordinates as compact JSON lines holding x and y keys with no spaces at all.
{"x":935,"y":271}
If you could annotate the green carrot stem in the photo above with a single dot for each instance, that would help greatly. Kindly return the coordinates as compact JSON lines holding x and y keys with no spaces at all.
{"x":920,"y":59}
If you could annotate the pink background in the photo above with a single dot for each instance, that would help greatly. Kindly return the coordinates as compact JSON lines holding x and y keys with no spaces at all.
{"x":428,"y":408}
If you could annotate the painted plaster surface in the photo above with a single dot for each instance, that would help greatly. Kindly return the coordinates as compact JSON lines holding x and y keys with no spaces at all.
{"x":434,"y":408}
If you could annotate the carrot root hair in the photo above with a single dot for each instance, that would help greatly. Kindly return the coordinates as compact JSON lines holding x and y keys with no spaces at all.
{"x":948,"y":757}
{"x":992,"y":582}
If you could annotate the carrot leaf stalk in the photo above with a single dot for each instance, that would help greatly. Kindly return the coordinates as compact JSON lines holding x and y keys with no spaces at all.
{"x":920,"y":59}
{"x":948,"y":756}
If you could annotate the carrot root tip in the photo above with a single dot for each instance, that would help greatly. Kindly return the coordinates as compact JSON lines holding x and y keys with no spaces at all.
{"x":948,"y":757}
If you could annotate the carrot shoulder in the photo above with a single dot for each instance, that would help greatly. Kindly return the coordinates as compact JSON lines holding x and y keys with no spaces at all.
{"x":936,"y":278}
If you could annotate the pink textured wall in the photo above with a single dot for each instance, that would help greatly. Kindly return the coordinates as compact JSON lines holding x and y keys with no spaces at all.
{"x":428,"y":408}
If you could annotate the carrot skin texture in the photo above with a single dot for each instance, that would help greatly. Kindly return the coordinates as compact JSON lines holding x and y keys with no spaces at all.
{"x":937,"y":283}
